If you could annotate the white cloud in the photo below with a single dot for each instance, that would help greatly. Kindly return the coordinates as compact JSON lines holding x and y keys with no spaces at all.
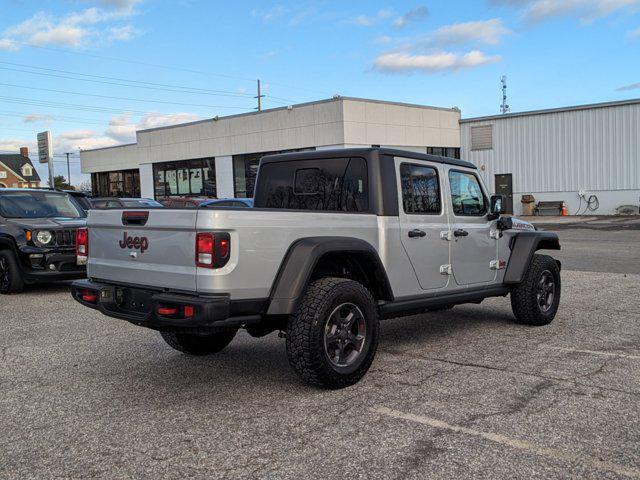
{"x":413,"y":15}
{"x":123,"y":129}
{"x":625,"y":88}
{"x":8,"y":45}
{"x":633,"y":34}
{"x":407,"y":63}
{"x":270,"y":15}
{"x":370,"y":20}
{"x":73,"y":29}
{"x":489,"y":32}
{"x":37,"y":117}
{"x":586,"y":10}
{"x":126,"y":32}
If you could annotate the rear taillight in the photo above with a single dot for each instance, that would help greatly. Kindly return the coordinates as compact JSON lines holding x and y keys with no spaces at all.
{"x":82,"y":246}
{"x":212,"y":249}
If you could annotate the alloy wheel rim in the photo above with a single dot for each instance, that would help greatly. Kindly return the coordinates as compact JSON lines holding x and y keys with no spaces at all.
{"x":546,"y":291}
{"x":345,"y":335}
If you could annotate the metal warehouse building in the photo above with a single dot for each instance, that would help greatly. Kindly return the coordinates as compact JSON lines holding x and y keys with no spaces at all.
{"x":557,"y":154}
{"x":219,"y":157}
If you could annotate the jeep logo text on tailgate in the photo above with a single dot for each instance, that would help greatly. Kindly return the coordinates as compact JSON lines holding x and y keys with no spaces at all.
{"x":139,"y":243}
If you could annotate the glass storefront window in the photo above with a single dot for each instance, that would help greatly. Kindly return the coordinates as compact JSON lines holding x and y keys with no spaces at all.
{"x":188,"y":178}
{"x":122,"y":183}
{"x":245,"y":171}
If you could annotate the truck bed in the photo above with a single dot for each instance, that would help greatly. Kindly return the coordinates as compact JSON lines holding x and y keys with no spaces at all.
{"x":260,"y":239}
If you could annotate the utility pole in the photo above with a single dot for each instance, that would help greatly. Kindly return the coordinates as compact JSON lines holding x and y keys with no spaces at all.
{"x":259,"y":97}
{"x":68,"y":169}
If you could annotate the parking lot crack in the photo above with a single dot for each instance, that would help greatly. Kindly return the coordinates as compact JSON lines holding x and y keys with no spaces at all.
{"x":571,"y":380}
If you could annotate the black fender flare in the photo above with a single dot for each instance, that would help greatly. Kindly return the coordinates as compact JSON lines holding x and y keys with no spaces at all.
{"x":523,"y":246}
{"x":300,"y":261}
{"x":8,"y":243}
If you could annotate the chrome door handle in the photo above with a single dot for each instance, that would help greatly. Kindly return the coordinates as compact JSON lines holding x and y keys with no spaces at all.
{"x":460,"y":233}
{"x":416,"y":233}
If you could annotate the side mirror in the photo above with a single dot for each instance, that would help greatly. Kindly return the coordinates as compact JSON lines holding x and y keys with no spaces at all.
{"x":498,"y":206}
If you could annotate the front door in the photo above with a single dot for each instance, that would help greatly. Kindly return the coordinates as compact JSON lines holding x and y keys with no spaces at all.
{"x":423,"y":217}
{"x":472,"y":248}
{"x":504,"y":186}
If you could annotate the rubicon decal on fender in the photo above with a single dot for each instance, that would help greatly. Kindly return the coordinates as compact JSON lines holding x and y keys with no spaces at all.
{"x":138,"y":243}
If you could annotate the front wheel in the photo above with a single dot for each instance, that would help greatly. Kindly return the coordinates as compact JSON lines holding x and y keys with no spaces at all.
{"x":333,"y":336}
{"x":199,"y":345}
{"x":535,"y":301}
{"x":10,"y":277}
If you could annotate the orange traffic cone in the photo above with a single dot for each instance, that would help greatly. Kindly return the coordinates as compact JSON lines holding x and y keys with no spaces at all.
{"x":564,"y":210}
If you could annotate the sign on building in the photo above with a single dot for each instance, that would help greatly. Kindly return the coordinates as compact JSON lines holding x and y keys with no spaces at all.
{"x":45,"y":147}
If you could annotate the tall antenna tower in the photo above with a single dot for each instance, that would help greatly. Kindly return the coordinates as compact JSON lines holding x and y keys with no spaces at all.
{"x":504,"y":108}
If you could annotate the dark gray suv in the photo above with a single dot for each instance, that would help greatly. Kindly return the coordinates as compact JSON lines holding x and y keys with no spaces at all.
{"x":38,"y":237}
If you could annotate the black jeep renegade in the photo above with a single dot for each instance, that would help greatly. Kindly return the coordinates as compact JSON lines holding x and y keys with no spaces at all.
{"x":38,"y":237}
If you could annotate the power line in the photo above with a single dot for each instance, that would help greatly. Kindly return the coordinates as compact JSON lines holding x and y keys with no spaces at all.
{"x":167,"y":67}
{"x":68,"y":106}
{"x":57,"y":119}
{"x":132,"y":83}
{"x":123,"y":98}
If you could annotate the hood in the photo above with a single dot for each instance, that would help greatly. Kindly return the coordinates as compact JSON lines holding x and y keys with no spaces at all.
{"x":47,"y":223}
{"x":517,"y":224}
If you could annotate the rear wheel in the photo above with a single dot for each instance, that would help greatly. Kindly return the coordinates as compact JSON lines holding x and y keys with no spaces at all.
{"x":535,"y":301}
{"x":193,"y":344}
{"x":333,"y":336}
{"x":10,"y":277}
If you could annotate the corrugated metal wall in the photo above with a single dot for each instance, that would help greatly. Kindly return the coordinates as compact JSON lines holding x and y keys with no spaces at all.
{"x":592,"y":149}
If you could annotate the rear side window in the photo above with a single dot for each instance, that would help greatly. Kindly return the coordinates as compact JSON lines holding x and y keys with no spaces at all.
{"x":331,"y":184}
{"x":466,"y":194}
{"x":420,"y":189}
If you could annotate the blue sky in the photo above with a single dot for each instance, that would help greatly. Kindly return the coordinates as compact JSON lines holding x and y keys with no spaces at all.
{"x":63,"y":63}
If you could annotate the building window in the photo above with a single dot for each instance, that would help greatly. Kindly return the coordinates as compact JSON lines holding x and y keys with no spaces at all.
{"x":27,"y":170}
{"x":482,"y":137}
{"x":245,"y":171}
{"x":122,"y":183}
{"x":186,"y":178}
{"x":451,"y":152}
{"x":420,"y":189}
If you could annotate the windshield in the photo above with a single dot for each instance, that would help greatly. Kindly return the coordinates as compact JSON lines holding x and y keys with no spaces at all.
{"x":38,"y":205}
{"x":142,"y":202}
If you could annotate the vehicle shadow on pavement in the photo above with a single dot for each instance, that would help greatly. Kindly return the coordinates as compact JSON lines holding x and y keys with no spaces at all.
{"x":39,"y":288}
{"x":250,"y":364}
{"x":434,"y":327}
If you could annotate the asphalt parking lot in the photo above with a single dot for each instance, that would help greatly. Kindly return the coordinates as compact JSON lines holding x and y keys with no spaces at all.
{"x":464,"y":393}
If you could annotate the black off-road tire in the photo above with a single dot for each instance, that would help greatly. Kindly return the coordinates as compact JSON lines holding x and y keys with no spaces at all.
{"x":193,"y":344}
{"x":524,"y":297}
{"x":306,"y":333}
{"x":10,"y":277}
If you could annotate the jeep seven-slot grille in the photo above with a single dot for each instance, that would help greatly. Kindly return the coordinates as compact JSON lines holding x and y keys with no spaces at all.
{"x":65,"y":238}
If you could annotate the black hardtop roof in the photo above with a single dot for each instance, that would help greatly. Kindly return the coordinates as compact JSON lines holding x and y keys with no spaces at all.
{"x":363,"y":152}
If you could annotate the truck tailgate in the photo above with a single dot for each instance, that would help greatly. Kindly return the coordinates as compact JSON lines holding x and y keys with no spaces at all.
{"x":159,"y":253}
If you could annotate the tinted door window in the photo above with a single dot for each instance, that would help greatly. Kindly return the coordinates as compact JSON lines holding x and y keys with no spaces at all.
{"x":332,"y":184}
{"x":420,"y":189}
{"x":466,"y":194}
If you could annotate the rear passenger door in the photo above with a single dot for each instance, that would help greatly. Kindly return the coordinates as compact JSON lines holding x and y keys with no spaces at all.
{"x":423,"y":216}
{"x":472,"y":246}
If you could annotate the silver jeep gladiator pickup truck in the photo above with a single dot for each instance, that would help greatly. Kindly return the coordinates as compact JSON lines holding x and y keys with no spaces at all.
{"x":338,"y":240}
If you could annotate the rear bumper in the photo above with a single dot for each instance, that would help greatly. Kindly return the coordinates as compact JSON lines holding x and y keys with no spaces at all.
{"x":149,"y":308}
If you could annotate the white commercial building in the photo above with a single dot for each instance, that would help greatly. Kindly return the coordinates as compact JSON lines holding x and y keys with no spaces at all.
{"x":558,"y":154}
{"x":219,"y":157}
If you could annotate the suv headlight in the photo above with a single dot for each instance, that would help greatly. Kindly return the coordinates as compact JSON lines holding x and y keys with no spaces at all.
{"x":44,"y":237}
